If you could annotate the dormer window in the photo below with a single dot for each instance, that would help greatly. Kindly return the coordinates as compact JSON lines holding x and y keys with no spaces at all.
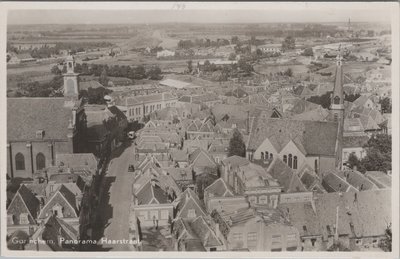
{"x":23,"y":219}
{"x":10,"y":219}
{"x":40,"y":134}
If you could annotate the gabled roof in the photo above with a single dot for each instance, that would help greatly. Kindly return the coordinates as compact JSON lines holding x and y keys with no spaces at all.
{"x":151,"y":194}
{"x":24,"y":201}
{"x":219,"y":189}
{"x":357,"y":180}
{"x":380,"y":179}
{"x":186,"y":197}
{"x":201,"y":158}
{"x":77,"y":160}
{"x":26,"y":116}
{"x":204,"y":232}
{"x":355,"y":141}
{"x":235,"y":161}
{"x":333,"y":183}
{"x":315,"y":137}
{"x":285,"y":176}
{"x":62,"y":195}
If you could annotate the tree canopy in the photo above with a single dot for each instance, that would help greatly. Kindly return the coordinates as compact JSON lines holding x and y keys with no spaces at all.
{"x":236,"y":145}
{"x":288,"y":43}
{"x":379,"y":154}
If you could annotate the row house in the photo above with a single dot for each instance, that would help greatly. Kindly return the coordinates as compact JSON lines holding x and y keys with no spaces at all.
{"x":136,"y":107}
{"x":339,"y":219}
{"x":257,"y":229}
{"x":250,"y":180}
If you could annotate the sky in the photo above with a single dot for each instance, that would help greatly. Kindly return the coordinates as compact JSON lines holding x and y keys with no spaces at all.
{"x":123,"y":13}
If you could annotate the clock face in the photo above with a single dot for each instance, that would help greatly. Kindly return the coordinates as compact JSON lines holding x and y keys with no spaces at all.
{"x":70,"y":88}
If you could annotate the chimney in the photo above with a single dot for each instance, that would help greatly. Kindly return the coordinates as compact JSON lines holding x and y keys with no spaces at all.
{"x":313,"y":205}
{"x":248,"y":123}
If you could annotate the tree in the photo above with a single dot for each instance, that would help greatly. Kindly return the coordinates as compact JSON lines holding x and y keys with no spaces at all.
{"x":55,"y":70}
{"x":323,"y":100}
{"x":95,"y":95}
{"x":232,"y":56}
{"x":234,"y":40}
{"x":190,"y":66}
{"x":308,"y":52}
{"x":386,"y":105}
{"x":154,"y":73}
{"x":288,"y":72}
{"x":386,"y":243}
{"x":236,"y":145}
{"x":351,"y":97}
{"x":103,"y":78}
{"x":288,"y":43}
{"x":379,"y":154}
{"x":353,"y":161}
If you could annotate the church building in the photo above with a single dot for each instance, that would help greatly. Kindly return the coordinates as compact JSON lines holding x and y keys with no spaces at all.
{"x":39,"y":128}
{"x":302,"y":143}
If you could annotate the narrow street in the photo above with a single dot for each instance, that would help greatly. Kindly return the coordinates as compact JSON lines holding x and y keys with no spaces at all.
{"x":115,"y":204}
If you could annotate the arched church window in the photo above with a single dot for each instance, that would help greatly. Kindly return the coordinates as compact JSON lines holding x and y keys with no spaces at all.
{"x":40,"y":161}
{"x":290,"y":161}
{"x":336,"y":100}
{"x":262,"y":155}
{"x":271,"y":156}
{"x":295,"y":162}
{"x":285,"y":159}
{"x":266,"y":155}
{"x":316,"y":165}
{"x":19,"y":161}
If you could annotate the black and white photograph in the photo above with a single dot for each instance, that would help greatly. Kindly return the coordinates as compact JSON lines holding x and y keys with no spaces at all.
{"x":244,"y":129}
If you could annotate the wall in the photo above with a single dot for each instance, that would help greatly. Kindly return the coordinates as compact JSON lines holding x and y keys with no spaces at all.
{"x":157,"y":210}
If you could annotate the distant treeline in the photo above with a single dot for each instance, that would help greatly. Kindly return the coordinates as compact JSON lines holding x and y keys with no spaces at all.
{"x":46,"y":51}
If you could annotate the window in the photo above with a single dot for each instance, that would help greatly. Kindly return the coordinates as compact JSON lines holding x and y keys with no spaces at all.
{"x":237,"y":236}
{"x":266,"y":155}
{"x":253,"y":199}
{"x":336,"y":100}
{"x":316,"y":165}
{"x":276,"y":243}
{"x":290,"y":161}
{"x":153,"y":214}
{"x":213,"y":249}
{"x":19,"y":161}
{"x":191,"y":213}
{"x":295,"y":162}
{"x":359,"y":242}
{"x":252,"y":239}
{"x":23,"y":219}
{"x":10,"y":219}
{"x":263,"y":199}
{"x":142,"y":215}
{"x":271,"y":156}
{"x":285,"y":159}
{"x":39,"y":134}
{"x":251,"y":236}
{"x":164,"y":214}
{"x":40,"y":161}
{"x":291,"y":242}
{"x":305,"y":228}
{"x":262,"y":155}
{"x":335,"y":117}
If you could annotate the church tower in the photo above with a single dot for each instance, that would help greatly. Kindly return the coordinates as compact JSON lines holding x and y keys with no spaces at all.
{"x":71,"y":83}
{"x":337,"y":109}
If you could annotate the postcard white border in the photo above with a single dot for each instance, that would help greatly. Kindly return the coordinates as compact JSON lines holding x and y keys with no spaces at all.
{"x":393,"y":11}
